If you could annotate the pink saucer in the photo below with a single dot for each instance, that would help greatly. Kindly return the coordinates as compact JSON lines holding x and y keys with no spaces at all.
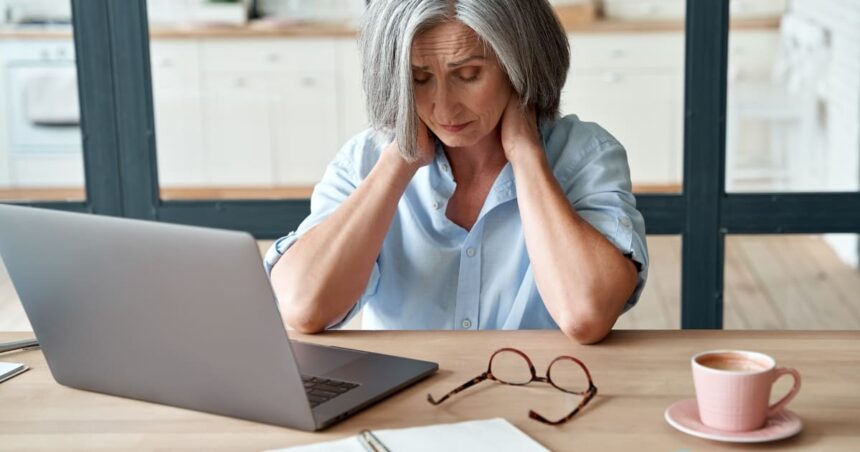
{"x":684,"y":416}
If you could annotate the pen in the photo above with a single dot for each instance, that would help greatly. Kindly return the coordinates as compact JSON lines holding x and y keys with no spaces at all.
{"x":370,"y":442}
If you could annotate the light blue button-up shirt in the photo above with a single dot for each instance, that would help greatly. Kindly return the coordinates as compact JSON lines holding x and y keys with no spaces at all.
{"x":433,"y":274}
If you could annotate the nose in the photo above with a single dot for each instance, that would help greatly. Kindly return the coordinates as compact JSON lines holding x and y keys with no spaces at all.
{"x":446,"y":104}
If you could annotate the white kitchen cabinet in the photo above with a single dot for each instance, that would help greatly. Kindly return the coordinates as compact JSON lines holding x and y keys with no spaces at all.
{"x":178,"y":117}
{"x":270,"y":110}
{"x":238,"y":128}
{"x":179,"y":134}
{"x":643,"y":111}
{"x":47,"y":170}
{"x":352,"y":112}
{"x":632,"y":85}
{"x":635,"y":51}
{"x":272,"y":55}
{"x":306,"y":127}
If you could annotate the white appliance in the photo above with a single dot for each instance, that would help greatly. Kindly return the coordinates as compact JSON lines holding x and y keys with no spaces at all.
{"x":43,"y":139}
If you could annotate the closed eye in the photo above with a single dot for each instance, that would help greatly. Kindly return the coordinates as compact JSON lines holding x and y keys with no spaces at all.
{"x":421,"y":78}
{"x":469,"y":74}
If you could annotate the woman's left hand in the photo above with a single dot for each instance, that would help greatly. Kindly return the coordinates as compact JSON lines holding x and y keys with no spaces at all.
{"x":519,"y":134}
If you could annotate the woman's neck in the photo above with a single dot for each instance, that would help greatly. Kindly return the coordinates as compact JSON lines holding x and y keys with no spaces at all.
{"x":482,"y":159}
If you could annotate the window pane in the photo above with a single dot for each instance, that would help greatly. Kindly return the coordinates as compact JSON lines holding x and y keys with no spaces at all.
{"x":659,"y":307}
{"x":793,"y":107}
{"x":40,"y":138}
{"x":792,"y":282}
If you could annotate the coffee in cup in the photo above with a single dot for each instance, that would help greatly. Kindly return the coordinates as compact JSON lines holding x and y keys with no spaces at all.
{"x":733,"y":388}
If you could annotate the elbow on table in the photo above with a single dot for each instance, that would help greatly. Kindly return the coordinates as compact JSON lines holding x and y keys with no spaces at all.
{"x":586,"y":329}
{"x":305,"y":320}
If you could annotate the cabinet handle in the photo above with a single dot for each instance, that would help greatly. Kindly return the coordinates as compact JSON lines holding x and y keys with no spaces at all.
{"x":166,"y":63}
{"x":273,"y":58}
{"x":617,"y":53}
{"x":240,"y":82}
{"x":308,"y":82}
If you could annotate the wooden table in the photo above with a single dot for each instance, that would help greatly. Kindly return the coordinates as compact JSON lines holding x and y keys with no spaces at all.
{"x":639,"y":374}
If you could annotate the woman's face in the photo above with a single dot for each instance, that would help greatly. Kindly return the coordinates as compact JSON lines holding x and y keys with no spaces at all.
{"x":460,"y":92}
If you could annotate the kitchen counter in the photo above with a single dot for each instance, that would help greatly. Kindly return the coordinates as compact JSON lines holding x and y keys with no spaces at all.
{"x":263,"y":29}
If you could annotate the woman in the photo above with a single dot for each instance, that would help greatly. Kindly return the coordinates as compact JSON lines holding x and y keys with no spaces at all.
{"x":469,"y":204}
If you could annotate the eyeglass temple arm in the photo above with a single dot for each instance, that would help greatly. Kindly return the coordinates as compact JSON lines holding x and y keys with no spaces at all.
{"x":464,"y":386}
{"x":592,"y":391}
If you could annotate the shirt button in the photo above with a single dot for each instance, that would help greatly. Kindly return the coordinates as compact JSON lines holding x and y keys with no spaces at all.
{"x":467,"y":323}
{"x":470,"y":252}
{"x":445,"y":167}
{"x":625,"y":222}
{"x":435,"y":205}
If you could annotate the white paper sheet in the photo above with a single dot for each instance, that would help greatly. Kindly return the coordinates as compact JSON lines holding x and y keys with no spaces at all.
{"x":9,"y":370}
{"x":497,"y":435}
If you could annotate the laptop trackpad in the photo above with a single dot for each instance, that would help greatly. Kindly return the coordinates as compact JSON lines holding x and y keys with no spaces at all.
{"x":317,"y":360}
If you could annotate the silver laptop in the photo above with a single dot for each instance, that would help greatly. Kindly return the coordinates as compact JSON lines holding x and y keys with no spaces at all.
{"x":181,"y":316}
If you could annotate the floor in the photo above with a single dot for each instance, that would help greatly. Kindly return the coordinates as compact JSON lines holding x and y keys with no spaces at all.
{"x":771,"y":282}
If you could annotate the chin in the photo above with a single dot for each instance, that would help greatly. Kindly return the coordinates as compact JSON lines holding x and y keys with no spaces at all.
{"x":456,"y":140}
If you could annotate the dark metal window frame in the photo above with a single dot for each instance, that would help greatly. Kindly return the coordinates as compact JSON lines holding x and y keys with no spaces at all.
{"x":112,"y":44}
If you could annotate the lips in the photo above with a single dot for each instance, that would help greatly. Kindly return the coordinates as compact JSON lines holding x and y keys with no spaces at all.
{"x":454,"y":128}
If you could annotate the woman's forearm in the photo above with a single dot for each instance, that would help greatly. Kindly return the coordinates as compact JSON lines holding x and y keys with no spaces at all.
{"x":320,"y":278}
{"x":583,"y":279}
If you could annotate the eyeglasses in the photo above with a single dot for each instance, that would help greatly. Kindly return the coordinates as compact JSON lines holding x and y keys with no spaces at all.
{"x":512,"y":367}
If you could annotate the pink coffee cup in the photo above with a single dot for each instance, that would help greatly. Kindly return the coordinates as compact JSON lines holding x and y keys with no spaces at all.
{"x":733,"y":388}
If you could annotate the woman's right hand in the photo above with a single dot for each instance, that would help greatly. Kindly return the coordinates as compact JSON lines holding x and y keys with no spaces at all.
{"x":426,"y":145}
{"x":426,"y":148}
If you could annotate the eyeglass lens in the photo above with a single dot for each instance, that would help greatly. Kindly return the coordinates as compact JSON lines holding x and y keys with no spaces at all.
{"x":512,"y":368}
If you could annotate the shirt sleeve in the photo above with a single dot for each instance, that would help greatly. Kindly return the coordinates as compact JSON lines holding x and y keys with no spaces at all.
{"x":341,"y":178}
{"x":594,"y":173}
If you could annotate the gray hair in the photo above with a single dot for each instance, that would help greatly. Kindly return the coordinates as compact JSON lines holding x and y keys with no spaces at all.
{"x":525,"y":35}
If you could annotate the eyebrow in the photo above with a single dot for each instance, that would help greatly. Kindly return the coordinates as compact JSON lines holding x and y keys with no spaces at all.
{"x":455,"y":63}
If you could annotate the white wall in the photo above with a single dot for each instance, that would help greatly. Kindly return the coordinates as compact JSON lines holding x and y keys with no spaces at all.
{"x":842,"y":19}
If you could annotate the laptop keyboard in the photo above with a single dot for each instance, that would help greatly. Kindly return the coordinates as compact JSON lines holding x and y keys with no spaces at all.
{"x":321,"y":390}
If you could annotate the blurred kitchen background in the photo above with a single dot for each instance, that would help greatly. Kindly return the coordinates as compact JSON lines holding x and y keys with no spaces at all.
{"x":253,"y":98}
